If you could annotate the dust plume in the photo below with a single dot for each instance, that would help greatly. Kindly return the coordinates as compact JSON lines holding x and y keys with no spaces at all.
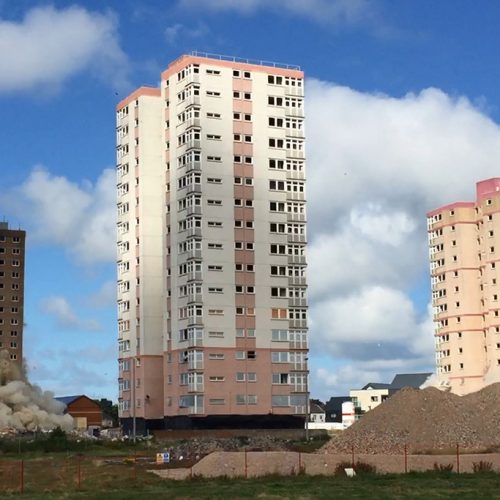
{"x":25,"y":407}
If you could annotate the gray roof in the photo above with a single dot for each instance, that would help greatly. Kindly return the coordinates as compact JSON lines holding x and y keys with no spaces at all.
{"x":316,"y":408}
{"x":376,"y":385}
{"x":67,"y":400}
{"x":414,"y":380}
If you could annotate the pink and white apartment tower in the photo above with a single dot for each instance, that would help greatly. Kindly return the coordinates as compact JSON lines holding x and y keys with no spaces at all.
{"x":212,"y":307}
{"x":464,"y":250}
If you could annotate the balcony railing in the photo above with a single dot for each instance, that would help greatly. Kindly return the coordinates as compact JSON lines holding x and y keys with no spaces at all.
{"x":297,"y":280}
{"x":295,"y":195}
{"x":297,"y":302}
{"x":296,"y":259}
{"x":294,"y":217}
{"x":296,"y":238}
{"x":295,"y":153}
{"x":194,"y":276}
{"x":195,"y":365}
{"x":196,"y":210}
{"x":295,"y":91}
{"x":298,"y":112}
{"x":193,"y":165}
{"x":193,"y":231}
{"x":192,"y":100}
{"x":298,"y":323}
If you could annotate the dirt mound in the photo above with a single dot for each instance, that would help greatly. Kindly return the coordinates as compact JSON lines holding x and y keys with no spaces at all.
{"x":425,"y":420}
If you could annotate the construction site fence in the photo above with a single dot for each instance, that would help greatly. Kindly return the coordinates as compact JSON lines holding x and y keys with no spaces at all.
{"x":56,"y":473}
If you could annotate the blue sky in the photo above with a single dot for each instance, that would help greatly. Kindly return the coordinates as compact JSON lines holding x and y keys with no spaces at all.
{"x":402,"y":116}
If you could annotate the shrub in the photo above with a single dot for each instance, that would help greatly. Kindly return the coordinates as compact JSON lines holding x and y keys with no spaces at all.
{"x":443,"y":467}
{"x":482,"y":466}
{"x":359,"y":468}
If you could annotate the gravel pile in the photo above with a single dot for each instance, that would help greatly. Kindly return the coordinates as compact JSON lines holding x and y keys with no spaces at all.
{"x":425,"y":420}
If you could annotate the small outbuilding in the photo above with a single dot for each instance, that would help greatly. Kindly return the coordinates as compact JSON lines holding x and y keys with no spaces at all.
{"x":86,"y":412}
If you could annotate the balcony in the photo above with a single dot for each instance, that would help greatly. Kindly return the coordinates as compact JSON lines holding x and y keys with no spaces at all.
{"x":298,"y":323}
{"x":193,"y":144}
{"x":299,"y":366}
{"x":297,"y":280}
{"x":297,"y":302}
{"x":293,"y":132}
{"x":193,"y":188}
{"x":192,"y":78}
{"x":193,"y":165}
{"x":297,"y":259}
{"x":196,"y":210}
{"x":294,"y":217}
{"x":196,"y":410}
{"x":295,"y":112}
{"x":194,"y":297}
{"x":295,"y":195}
{"x":299,"y":387}
{"x":193,"y":231}
{"x":195,"y":364}
{"x":298,"y":344}
{"x":295,"y":153}
{"x":195,"y":387}
{"x":295,"y":174}
{"x":194,"y":276}
{"x":192,"y":122}
{"x":295,"y":91}
{"x":194,"y":100}
{"x":195,"y":342}
{"x":296,"y":238}
{"x":194,"y":254}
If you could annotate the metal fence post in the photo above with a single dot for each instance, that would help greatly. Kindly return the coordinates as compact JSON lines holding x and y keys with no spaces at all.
{"x":21,"y":477}
{"x":406,"y":459}
{"x":352,"y":456}
{"x":79,"y":471}
{"x":458,"y":458}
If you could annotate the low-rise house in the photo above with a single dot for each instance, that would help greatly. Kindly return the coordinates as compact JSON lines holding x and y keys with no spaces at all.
{"x":375,"y":393}
{"x":316,"y":411}
{"x":333,"y":408}
{"x":86,"y":412}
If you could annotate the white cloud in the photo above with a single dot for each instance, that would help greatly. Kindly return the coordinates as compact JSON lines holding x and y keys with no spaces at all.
{"x":338,"y":11}
{"x":80,"y":218}
{"x":105,"y":296}
{"x":376,"y":165}
{"x":64,"y":315}
{"x":49,"y":45}
{"x":371,"y":323}
{"x":174,"y":32}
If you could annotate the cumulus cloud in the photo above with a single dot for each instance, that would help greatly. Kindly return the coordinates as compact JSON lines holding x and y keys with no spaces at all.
{"x":79,"y":217}
{"x":338,"y":11}
{"x":376,"y":165}
{"x":50,"y":45}
{"x":64,"y":315}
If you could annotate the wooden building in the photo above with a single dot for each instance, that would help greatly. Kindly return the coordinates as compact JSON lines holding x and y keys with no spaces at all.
{"x":84,"y":410}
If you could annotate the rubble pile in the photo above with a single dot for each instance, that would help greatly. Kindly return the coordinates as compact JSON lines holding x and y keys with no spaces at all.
{"x":198,"y":447}
{"x":425,"y":420}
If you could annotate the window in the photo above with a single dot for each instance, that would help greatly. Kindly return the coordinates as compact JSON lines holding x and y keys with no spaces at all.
{"x":216,"y":356}
{"x":218,"y":335}
{"x":240,"y":354}
{"x":216,"y":378}
{"x":279,"y":313}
